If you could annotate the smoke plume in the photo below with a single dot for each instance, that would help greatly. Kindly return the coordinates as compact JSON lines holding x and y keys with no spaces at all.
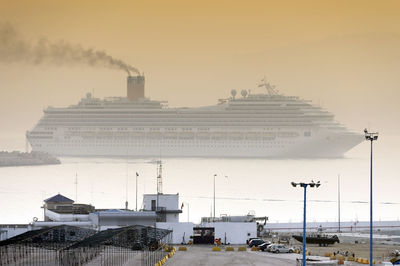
{"x":14,"y":48}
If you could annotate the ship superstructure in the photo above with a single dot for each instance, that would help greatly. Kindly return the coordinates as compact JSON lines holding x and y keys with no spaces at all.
{"x":249,"y":125}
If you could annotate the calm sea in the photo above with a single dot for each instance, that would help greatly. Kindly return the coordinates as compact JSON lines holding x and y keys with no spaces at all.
{"x":242,"y":185}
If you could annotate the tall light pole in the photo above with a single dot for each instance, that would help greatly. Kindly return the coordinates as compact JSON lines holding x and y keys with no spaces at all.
{"x":305,"y":185}
{"x":183,"y":204}
{"x":371,"y":137}
{"x":214,"y":197}
{"x":137,"y":175}
{"x":339,"y":203}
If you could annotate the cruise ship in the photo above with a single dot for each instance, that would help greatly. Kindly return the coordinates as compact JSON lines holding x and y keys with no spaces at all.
{"x":263,"y":125}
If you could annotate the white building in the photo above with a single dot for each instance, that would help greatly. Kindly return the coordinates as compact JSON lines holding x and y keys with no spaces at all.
{"x":159,"y":210}
{"x":165,"y":205}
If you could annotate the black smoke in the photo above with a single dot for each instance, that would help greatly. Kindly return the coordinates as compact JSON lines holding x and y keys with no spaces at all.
{"x":15,"y":48}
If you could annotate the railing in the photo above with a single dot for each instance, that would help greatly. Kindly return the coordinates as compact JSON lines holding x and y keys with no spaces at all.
{"x":90,"y":256}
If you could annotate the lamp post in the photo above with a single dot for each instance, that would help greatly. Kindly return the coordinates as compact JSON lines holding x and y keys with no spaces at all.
{"x":214,"y":198}
{"x":305,"y":185}
{"x":371,"y":137}
{"x":137,"y":175}
{"x":214,"y":195}
{"x":183,"y":204}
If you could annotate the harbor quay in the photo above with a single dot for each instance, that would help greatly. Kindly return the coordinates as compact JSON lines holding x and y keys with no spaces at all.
{"x":72,"y":232}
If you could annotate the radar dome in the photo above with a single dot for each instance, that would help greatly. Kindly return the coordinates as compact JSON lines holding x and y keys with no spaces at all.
{"x":233,"y":93}
{"x":244,"y":93}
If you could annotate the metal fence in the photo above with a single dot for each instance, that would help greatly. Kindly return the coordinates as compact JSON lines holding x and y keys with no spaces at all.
{"x":73,"y":246}
{"x":22,"y":255}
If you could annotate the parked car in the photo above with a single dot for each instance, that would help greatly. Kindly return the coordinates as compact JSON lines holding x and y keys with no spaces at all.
{"x":281,"y":249}
{"x":251,"y":238}
{"x":264,"y":246}
{"x":256,"y":242}
{"x":269,"y":247}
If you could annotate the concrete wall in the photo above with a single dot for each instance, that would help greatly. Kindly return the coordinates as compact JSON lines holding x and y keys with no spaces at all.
{"x":57,"y":217}
{"x":233,"y":233}
{"x":180,"y":230}
{"x":120,"y":219}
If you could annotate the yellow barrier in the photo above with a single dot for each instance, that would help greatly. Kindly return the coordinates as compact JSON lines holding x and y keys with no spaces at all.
{"x":182,"y":248}
{"x":333,"y":257}
{"x":242,"y":249}
{"x":255,"y":249}
{"x":229,"y":249}
{"x":169,"y":255}
{"x":328,"y":254}
{"x":216,"y":249}
{"x":351,"y":259}
{"x":340,"y":261}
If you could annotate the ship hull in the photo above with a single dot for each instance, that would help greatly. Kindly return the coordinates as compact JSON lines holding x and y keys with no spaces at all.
{"x":322,"y":145}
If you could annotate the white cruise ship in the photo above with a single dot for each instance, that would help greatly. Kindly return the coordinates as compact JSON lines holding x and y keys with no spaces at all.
{"x":267,"y":125}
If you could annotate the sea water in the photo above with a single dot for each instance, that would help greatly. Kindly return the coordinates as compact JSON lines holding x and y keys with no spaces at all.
{"x":242,"y":186}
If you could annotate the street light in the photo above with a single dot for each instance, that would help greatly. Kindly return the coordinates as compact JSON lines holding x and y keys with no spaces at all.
{"x":183,"y":204}
{"x":136,"y":187}
{"x":371,"y":137}
{"x":214,"y":197}
{"x":304,"y":185}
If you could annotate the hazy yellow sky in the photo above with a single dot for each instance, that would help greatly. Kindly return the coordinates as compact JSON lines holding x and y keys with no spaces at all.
{"x":342,"y":54}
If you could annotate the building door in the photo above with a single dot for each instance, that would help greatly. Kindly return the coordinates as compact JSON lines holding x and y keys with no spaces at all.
{"x":203,"y":235}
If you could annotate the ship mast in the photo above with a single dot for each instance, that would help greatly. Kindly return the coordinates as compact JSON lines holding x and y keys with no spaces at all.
{"x":270,"y":88}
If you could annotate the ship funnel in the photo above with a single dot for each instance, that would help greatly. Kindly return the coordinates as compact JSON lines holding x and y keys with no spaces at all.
{"x":135,"y":87}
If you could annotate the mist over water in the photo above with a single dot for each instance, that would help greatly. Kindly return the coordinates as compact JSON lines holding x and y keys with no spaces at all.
{"x":14,"y":48}
{"x":259,"y":185}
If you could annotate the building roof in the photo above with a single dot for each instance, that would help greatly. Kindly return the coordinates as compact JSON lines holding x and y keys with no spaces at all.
{"x":128,"y":236}
{"x":59,"y":198}
{"x":50,"y":238}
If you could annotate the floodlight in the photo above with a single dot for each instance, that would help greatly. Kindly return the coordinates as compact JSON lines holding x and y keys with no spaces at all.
{"x":294,"y":184}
